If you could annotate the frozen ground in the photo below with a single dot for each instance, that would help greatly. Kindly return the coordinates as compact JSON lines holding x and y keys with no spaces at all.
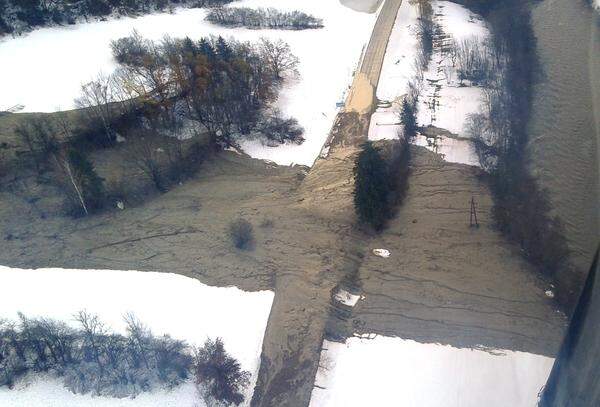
{"x":46,"y":67}
{"x":442,"y":103}
{"x":167,"y":303}
{"x":386,"y":371}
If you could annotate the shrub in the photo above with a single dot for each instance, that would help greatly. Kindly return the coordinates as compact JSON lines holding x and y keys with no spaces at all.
{"x":92,"y":187}
{"x":371,"y":187}
{"x":281,"y":130}
{"x":241,"y":234}
{"x":219,"y":376}
{"x":409,"y":120}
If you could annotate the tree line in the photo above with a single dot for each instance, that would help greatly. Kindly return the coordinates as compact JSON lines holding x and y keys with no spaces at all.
{"x":169,"y":104}
{"x":89,"y":358}
{"x":263,"y":18}
{"x":508,"y":66}
{"x":17,"y":16}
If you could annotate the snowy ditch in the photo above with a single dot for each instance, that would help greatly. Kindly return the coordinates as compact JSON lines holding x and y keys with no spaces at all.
{"x":444,"y":101}
{"x":166,"y":303}
{"x":384,"y":371}
{"x":43,"y":70}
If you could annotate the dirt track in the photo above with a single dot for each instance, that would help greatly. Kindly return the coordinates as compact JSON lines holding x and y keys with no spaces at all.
{"x":449,"y":283}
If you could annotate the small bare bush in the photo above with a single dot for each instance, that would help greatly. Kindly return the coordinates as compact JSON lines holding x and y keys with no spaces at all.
{"x":241,"y":234}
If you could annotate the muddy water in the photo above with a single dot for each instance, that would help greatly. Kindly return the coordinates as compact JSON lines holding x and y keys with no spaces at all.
{"x":565,"y":124}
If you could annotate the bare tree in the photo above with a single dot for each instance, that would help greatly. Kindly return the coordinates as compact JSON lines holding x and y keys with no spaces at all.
{"x":139,"y":337}
{"x":95,"y":100}
{"x":93,"y":331}
{"x":39,"y":136}
{"x":279,"y":57}
{"x":146,"y":153}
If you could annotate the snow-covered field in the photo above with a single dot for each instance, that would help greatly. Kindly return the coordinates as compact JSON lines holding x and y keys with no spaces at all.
{"x":442,"y":102}
{"x":43,"y":70}
{"x":455,"y":102}
{"x":170,"y":304}
{"x":45,"y":391}
{"x":386,"y":371}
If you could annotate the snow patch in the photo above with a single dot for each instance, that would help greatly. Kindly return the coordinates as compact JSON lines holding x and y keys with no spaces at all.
{"x":384,"y":371}
{"x":450,"y":149}
{"x":381,"y":253}
{"x":385,"y":124}
{"x":346,"y":298}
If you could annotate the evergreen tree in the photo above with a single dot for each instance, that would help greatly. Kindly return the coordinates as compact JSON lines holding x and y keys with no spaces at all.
{"x":205,"y":48}
{"x":223,"y":49}
{"x":371,"y":187}
{"x":409,"y":119}
{"x":90,"y":184}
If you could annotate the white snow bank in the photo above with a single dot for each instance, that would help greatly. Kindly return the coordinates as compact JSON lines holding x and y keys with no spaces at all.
{"x":170,"y":304}
{"x":43,"y":70}
{"x":444,"y":102}
{"x":450,"y":149}
{"x":398,"y":67}
{"x":385,"y":124}
{"x":45,"y":391}
{"x":454,"y":107}
{"x":459,"y":22}
{"x":346,"y":298}
{"x":394,"y":372}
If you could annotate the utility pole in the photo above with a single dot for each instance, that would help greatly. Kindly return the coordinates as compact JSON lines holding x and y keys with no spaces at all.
{"x":473,"y":222}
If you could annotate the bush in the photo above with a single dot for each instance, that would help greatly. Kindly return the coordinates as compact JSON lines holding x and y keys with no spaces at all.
{"x":241,"y":234}
{"x":219,"y":376}
{"x":281,"y":130}
{"x":371,"y":187}
{"x":475,"y":62}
